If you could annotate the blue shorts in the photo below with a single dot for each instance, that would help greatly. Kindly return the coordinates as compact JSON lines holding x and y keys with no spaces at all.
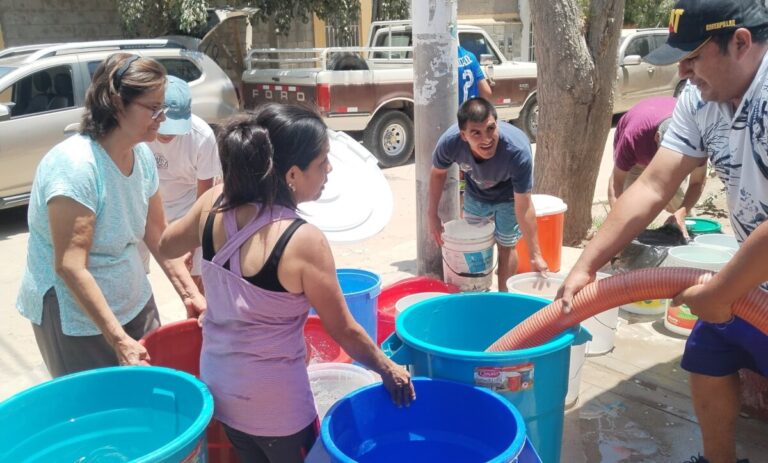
{"x":507,"y":231}
{"x":724,"y":348}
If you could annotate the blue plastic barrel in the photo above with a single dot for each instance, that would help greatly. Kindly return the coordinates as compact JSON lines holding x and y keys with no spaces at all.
{"x":137,"y":414}
{"x":445,"y":337}
{"x":361,"y":290}
{"x":449,"y":421}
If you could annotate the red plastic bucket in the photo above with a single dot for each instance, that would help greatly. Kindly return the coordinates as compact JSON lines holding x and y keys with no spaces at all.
{"x":393,"y":293}
{"x":321,"y":347}
{"x":177,"y":345}
{"x":550,"y":220}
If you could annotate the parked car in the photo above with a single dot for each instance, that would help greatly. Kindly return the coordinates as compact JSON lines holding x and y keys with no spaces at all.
{"x":370,"y":90}
{"x":42,"y":91}
{"x":636,"y":79}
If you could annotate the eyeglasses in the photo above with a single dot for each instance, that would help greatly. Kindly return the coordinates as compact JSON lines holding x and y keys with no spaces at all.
{"x":155,"y":112}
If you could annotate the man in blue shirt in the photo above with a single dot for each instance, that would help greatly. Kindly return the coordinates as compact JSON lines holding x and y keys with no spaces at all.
{"x":472,"y":81}
{"x":496,"y":160}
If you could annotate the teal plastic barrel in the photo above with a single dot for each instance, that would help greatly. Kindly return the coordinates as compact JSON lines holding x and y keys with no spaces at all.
{"x":445,"y":337}
{"x":137,"y":414}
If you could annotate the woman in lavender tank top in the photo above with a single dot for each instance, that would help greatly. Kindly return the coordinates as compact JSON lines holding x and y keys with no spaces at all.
{"x":263,"y":268}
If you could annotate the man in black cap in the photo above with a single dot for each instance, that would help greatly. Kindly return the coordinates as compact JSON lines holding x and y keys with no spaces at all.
{"x":721,"y":117}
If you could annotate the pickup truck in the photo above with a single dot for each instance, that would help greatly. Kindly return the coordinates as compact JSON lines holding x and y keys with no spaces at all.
{"x":369,"y":90}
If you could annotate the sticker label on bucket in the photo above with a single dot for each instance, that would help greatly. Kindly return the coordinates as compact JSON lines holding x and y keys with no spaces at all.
{"x":505,"y":379}
{"x":197,"y":455}
{"x":479,"y":262}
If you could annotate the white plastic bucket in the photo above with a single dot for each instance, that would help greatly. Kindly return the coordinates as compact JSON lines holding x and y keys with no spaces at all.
{"x":707,"y":256}
{"x":603,"y":329}
{"x":578,"y":357}
{"x":648,"y":307}
{"x":711,"y":258}
{"x":468,"y":261}
{"x":718,"y":239}
{"x":602,"y":326}
{"x":407,"y":301}
{"x":332,"y":381}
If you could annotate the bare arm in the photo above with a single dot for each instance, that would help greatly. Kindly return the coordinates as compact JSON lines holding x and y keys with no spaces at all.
{"x":616,"y":185}
{"x":632,"y":212}
{"x":72,"y":227}
{"x":712,"y":300}
{"x":203,"y":186}
{"x":526,"y":218}
{"x":174,"y":269}
{"x":484,"y":89}
{"x":437,"y":179}
{"x":309,"y":256}
{"x":695,"y":187}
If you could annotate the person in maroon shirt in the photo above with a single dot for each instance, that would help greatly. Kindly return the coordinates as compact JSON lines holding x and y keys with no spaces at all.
{"x":637,"y":138}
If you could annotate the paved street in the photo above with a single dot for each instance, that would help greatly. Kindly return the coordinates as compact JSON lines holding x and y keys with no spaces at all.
{"x":634,"y":405}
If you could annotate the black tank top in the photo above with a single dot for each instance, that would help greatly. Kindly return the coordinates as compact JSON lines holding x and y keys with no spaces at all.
{"x":266,"y":278}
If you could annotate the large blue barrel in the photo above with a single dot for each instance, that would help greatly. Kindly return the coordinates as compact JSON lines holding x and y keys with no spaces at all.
{"x":445,"y":337}
{"x":361,"y":290}
{"x":449,"y":421}
{"x":137,"y":414}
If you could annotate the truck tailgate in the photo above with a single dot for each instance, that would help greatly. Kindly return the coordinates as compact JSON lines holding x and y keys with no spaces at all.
{"x":266,"y":86}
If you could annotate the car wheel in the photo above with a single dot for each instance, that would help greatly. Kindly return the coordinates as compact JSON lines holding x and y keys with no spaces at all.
{"x":679,"y":88}
{"x":390,"y":138}
{"x":529,"y":118}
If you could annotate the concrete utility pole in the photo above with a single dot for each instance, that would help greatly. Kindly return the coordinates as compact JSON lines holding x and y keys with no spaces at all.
{"x":435,"y":94}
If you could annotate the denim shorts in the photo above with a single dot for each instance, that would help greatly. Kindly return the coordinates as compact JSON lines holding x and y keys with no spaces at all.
{"x":507,"y":231}
{"x":721,"y":349}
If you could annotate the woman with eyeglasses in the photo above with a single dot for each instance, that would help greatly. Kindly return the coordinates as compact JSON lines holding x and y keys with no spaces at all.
{"x":94,"y":198}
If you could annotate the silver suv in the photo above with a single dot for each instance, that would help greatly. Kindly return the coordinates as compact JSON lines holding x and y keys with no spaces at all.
{"x":42,"y":90}
{"x":637,"y":79}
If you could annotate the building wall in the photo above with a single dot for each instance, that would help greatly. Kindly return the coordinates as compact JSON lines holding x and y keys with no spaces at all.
{"x":502,"y":20}
{"x":24,"y":22}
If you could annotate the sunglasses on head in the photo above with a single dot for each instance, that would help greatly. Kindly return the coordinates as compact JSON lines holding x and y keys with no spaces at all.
{"x":118,"y":76}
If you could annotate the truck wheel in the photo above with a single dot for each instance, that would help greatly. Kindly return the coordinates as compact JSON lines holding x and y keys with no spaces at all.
{"x":529,"y":118}
{"x":390,"y":138}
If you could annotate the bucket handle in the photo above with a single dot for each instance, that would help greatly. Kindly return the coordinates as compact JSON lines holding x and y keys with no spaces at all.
{"x":471,"y":275}
{"x":396,"y":350}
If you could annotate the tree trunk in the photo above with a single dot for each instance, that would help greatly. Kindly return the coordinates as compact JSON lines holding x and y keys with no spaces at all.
{"x":576,"y":61}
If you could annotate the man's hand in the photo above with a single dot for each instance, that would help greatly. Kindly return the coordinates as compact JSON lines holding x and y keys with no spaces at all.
{"x":704,"y":302}
{"x":538,"y":264}
{"x":678,"y":218}
{"x":574,"y":282}
{"x":436,"y":229}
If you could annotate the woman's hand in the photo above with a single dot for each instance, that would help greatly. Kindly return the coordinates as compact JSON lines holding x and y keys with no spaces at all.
{"x":398,"y":382}
{"x":130,"y":352}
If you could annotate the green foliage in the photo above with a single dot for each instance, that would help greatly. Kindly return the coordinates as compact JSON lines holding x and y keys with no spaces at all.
{"x":387,"y":10}
{"x":162,"y":17}
{"x":647,"y":13}
{"x":641,"y":13}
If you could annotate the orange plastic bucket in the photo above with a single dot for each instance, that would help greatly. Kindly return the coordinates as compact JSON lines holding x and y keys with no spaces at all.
{"x":177,"y":345}
{"x":550,"y":220}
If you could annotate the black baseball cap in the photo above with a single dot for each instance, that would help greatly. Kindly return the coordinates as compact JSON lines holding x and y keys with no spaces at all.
{"x":693,"y":22}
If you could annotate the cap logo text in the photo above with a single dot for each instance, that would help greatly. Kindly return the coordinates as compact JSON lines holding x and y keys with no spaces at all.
{"x":720,"y":25}
{"x":674,"y":20}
